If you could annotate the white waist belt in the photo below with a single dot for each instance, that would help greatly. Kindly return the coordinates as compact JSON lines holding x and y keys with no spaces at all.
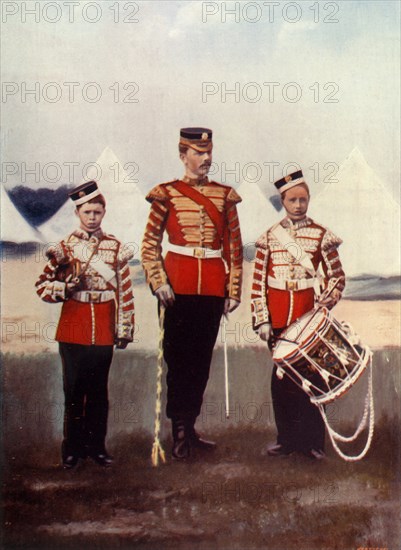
{"x":292,"y":284}
{"x":198,"y":252}
{"x":93,"y":296}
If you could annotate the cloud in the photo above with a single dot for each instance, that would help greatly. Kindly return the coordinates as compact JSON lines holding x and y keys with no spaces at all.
{"x":291,"y":31}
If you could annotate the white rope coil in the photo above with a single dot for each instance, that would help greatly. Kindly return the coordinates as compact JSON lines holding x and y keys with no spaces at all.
{"x":368,"y":416}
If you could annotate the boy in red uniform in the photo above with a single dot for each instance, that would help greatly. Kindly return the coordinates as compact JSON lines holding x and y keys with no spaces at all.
{"x":198,"y":280}
{"x":88,"y":271}
{"x":282,"y":291}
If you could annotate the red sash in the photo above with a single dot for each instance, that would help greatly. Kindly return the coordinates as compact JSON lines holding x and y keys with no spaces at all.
{"x":212,"y":211}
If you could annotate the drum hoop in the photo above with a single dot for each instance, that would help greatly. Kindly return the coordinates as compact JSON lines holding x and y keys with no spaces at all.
{"x":310,"y":341}
{"x":332,"y":394}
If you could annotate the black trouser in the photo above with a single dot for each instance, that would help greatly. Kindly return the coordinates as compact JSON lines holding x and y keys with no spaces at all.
{"x":191,"y":326}
{"x":85,"y":377}
{"x":300,"y":426}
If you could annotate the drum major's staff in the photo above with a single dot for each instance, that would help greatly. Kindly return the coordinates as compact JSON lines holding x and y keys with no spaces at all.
{"x":288,"y":256}
{"x":198,"y":280}
{"x":88,"y":272}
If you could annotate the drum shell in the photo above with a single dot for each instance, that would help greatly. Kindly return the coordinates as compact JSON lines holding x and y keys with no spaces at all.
{"x":322,"y":359}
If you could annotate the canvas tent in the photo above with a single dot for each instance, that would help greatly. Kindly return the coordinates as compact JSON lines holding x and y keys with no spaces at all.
{"x":14,"y":227}
{"x":256,"y":212}
{"x":360,"y":210}
{"x":126,"y":209}
{"x":60,"y":224}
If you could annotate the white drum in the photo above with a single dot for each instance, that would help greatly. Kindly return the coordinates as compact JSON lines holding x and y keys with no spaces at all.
{"x":321,"y":355}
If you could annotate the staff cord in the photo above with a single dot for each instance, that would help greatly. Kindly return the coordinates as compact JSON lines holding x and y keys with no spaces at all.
{"x":157,"y":449}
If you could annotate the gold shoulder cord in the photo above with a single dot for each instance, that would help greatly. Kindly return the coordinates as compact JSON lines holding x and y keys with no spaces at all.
{"x":157,"y":449}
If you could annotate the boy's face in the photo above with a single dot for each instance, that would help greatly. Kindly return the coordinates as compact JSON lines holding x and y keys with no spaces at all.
{"x":296,"y":201}
{"x":90,"y":216}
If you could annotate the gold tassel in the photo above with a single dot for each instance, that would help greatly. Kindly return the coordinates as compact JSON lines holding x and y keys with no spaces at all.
{"x":157,"y":450}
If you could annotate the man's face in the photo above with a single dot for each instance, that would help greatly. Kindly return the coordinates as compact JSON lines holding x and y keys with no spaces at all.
{"x":90,"y":215}
{"x":296,"y":202}
{"x":197,"y":163}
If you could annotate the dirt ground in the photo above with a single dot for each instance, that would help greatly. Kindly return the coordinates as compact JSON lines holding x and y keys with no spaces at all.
{"x":233,"y":498}
{"x":29,"y":324}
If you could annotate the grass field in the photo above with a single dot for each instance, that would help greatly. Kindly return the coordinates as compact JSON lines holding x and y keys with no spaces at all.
{"x":235,"y":498}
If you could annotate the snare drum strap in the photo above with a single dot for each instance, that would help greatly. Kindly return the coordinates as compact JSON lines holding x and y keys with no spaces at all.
{"x":295,"y":249}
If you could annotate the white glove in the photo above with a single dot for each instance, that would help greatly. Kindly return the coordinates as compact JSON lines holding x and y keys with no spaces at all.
{"x":329,"y":301}
{"x":230,"y":305}
{"x":165,"y":295}
{"x":265,"y":331}
{"x":72,"y":286}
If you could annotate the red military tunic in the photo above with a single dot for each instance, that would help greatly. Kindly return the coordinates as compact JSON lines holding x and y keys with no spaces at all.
{"x":102,"y":310}
{"x":274,"y":263}
{"x":188,"y":225}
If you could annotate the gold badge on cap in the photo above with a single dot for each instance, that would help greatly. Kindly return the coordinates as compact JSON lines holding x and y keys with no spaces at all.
{"x":204,"y":135}
{"x":82,"y":193}
{"x":288,"y":178}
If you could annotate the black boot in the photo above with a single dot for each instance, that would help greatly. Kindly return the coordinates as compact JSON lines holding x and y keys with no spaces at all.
{"x":196,"y":440}
{"x":181,"y":446}
{"x":101,"y":457}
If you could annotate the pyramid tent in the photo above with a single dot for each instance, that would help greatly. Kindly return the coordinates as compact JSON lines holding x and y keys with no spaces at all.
{"x":360,"y":210}
{"x":60,"y":224}
{"x":14,"y":227}
{"x":256,"y":212}
{"x":126,"y":208}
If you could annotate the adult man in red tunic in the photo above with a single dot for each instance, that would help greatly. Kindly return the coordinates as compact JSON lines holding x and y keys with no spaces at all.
{"x":88,"y":271}
{"x":283,"y":289}
{"x":198,"y":280}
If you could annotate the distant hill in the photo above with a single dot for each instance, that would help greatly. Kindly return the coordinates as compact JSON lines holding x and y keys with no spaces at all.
{"x":38,"y":205}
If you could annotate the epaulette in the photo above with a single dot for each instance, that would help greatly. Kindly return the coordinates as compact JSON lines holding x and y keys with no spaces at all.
{"x":59,"y":252}
{"x":159,"y":193}
{"x":233,"y":196}
{"x":262,"y":241}
{"x":330,"y":240}
{"x":125,"y":254}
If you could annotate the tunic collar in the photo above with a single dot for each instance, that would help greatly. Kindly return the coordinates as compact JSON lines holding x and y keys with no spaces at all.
{"x":288,"y":223}
{"x":82,"y":234}
{"x":196,"y":181}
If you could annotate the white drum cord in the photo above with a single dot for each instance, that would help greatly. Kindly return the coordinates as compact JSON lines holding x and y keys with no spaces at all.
{"x":367,"y":418}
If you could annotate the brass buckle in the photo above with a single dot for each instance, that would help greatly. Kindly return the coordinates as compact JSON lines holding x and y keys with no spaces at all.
{"x":292,"y":285}
{"x":199,"y":252}
{"x":93,"y":297}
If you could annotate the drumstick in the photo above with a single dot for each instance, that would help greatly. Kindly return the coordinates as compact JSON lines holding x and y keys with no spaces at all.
{"x":327,"y":292}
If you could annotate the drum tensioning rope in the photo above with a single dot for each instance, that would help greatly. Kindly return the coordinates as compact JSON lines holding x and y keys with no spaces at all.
{"x":157,"y":449}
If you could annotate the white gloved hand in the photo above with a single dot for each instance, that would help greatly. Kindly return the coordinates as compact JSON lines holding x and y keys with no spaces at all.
{"x":165,"y":295}
{"x":265,"y":331}
{"x":329,"y":301}
{"x":230,"y":305}
{"x":72,"y":285}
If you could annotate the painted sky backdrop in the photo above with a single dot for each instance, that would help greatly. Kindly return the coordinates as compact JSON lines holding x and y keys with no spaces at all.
{"x":309,"y":82}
